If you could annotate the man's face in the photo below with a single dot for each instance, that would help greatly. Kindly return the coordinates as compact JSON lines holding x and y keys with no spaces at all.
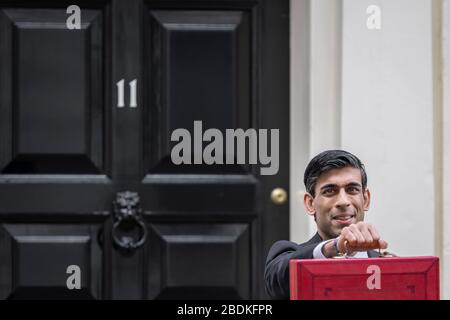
{"x":339,"y":202}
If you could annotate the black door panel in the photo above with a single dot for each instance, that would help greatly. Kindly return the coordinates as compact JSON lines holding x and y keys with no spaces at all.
{"x":189,"y":260}
{"x":52,"y":111}
{"x":36,"y":257}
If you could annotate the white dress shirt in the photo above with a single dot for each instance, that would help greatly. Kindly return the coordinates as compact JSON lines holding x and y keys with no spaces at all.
{"x":317,"y":253}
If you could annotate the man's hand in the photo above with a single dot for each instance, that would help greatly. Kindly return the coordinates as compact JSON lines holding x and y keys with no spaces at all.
{"x":360,"y":236}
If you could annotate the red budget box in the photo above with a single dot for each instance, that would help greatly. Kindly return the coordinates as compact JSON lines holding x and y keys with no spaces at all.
{"x":412,"y":278}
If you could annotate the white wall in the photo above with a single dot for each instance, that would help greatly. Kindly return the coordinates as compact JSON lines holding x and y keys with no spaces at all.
{"x":299,"y":116}
{"x":372,"y":93}
{"x":315,"y":119}
{"x":446,"y":163}
{"x":387,"y":116}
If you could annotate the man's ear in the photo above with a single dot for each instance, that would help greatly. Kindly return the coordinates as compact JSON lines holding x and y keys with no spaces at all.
{"x":366,"y":196}
{"x":308,"y":202}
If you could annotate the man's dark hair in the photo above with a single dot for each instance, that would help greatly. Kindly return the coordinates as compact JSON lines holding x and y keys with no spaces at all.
{"x":329,"y":160}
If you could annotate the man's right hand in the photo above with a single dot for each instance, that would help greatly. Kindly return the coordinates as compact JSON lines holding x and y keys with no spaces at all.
{"x":360,"y":236}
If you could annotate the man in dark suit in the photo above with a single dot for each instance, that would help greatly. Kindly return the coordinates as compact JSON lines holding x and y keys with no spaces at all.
{"x":337,"y":197}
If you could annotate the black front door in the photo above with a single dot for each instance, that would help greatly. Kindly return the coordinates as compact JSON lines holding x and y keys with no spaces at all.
{"x":92,"y":202}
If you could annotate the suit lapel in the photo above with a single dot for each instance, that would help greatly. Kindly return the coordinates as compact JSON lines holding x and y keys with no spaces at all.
{"x":373,"y":254}
{"x":315,"y":239}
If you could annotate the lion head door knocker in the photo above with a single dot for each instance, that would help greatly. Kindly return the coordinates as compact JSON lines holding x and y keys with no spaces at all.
{"x":129,"y":230}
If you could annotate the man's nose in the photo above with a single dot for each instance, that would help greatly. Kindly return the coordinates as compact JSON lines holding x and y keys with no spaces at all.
{"x":342,"y":199}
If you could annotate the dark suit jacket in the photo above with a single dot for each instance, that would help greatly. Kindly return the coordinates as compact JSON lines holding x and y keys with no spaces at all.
{"x":276,"y":274}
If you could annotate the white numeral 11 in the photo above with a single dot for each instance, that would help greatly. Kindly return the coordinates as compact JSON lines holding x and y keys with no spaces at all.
{"x":133,"y":86}
{"x":121,"y":93}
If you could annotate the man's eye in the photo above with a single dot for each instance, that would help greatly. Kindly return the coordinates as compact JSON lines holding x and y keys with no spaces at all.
{"x":353,"y":189}
{"x":328,"y":191}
